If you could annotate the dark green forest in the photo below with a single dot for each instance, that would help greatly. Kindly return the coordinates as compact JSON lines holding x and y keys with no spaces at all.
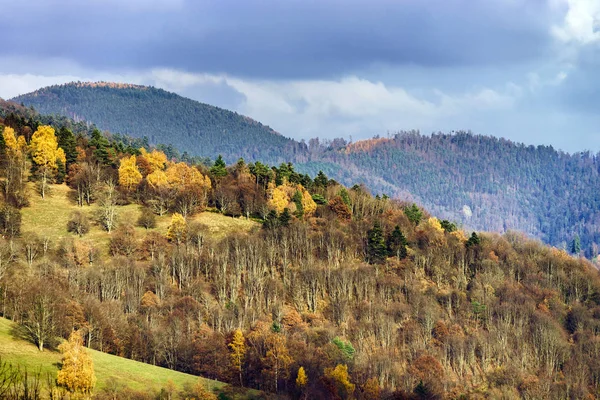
{"x":163,"y":118}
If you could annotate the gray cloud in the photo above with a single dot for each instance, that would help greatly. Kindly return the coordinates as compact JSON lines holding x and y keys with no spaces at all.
{"x":278,"y":39}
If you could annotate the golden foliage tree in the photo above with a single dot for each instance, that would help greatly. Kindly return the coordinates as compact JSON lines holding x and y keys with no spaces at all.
{"x":177,"y":231}
{"x":340,"y":376}
{"x":371,"y":389}
{"x":237,"y":352}
{"x":202,"y":392}
{"x":46,"y":154}
{"x":308,"y":204}
{"x":301,"y":378}
{"x":129,"y":173}
{"x":156,"y":159}
{"x":278,"y":199}
{"x":77,"y":372}
{"x":16,"y":168}
{"x":277,"y":359}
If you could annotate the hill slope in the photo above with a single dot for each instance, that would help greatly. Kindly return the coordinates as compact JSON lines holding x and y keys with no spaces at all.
{"x":109,"y":369}
{"x":483,"y":182}
{"x":164,"y":118}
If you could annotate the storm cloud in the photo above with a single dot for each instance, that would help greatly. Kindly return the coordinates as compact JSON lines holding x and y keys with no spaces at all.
{"x":526,"y":70}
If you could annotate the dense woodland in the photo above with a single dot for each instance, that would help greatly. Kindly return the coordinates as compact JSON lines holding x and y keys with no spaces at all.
{"x":164,"y":117}
{"x":483,"y":183}
{"x":339,"y":295}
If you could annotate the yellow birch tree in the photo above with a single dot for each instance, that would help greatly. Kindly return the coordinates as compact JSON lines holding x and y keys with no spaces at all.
{"x":77,"y":372}
{"x":129,"y":173}
{"x":46,"y":154}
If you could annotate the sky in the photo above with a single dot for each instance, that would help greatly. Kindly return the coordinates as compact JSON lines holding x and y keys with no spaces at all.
{"x":526,"y":70}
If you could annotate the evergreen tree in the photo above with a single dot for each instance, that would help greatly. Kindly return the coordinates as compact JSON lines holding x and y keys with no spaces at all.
{"x":376,"y":249}
{"x":396,"y":244}
{"x":101,"y":145}
{"x":413,"y":213}
{"x":321,"y":180}
{"x":285,"y":217}
{"x":575,"y":245}
{"x":448,"y":226}
{"x":345,"y":197}
{"x":67,"y":142}
{"x":219,"y":168}
{"x":474,"y":240}
{"x":297,"y":199}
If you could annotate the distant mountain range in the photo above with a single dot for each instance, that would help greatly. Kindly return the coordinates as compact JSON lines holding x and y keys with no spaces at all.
{"x":482,"y":182}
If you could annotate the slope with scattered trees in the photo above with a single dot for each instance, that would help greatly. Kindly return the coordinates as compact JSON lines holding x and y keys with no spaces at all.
{"x":340,"y":295}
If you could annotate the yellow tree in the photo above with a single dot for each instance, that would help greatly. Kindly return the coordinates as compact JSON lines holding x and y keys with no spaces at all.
{"x":278,"y":199}
{"x":277,"y":359}
{"x":340,"y":376}
{"x":16,"y":166}
{"x":156,"y":159}
{"x":129,"y":173}
{"x":77,"y":372}
{"x":308,"y":204}
{"x":46,"y":154}
{"x":301,"y":378}
{"x":202,"y":392}
{"x":177,"y":231}
{"x":237,"y":352}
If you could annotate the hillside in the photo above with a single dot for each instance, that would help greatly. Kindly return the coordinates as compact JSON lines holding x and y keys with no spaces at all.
{"x":164,"y":118}
{"x":338,"y":295}
{"x":111,"y":371}
{"x":482,"y":182}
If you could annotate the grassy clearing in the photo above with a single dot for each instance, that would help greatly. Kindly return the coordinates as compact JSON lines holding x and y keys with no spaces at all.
{"x":48,"y":218}
{"x":127,"y":373}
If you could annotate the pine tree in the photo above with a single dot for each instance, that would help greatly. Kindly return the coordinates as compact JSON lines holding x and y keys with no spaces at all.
{"x":285,"y":217}
{"x":67,"y":142}
{"x":297,"y":199}
{"x":101,"y":145}
{"x":396,"y":244}
{"x":376,"y":249}
{"x":413,"y":214}
{"x":576,"y":245}
{"x":219,"y":168}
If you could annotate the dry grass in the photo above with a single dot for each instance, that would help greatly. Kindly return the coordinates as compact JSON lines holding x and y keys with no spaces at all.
{"x":48,"y":218}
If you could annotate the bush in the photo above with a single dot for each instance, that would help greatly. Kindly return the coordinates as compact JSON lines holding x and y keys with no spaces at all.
{"x":147,"y":219}
{"x":78,"y":224}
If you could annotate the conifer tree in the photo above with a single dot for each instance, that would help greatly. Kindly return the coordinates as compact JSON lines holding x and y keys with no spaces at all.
{"x":396,"y":244}
{"x":219,"y":168}
{"x":376,"y":249}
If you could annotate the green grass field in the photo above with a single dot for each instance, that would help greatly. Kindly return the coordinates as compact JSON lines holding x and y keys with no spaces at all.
{"x":127,"y":373}
{"x":48,"y":218}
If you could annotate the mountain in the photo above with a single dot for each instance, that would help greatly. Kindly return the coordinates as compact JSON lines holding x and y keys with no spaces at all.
{"x":164,"y":118}
{"x":271,"y":280}
{"x":481,"y":182}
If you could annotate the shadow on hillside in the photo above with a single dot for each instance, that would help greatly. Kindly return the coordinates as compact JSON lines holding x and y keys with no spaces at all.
{"x":23,"y":332}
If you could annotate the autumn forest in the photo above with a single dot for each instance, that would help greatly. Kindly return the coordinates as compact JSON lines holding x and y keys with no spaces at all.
{"x":330,"y":292}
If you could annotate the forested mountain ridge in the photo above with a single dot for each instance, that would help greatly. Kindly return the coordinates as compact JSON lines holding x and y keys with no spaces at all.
{"x":482,"y":182}
{"x":163,"y":118}
{"x":330,"y":292}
